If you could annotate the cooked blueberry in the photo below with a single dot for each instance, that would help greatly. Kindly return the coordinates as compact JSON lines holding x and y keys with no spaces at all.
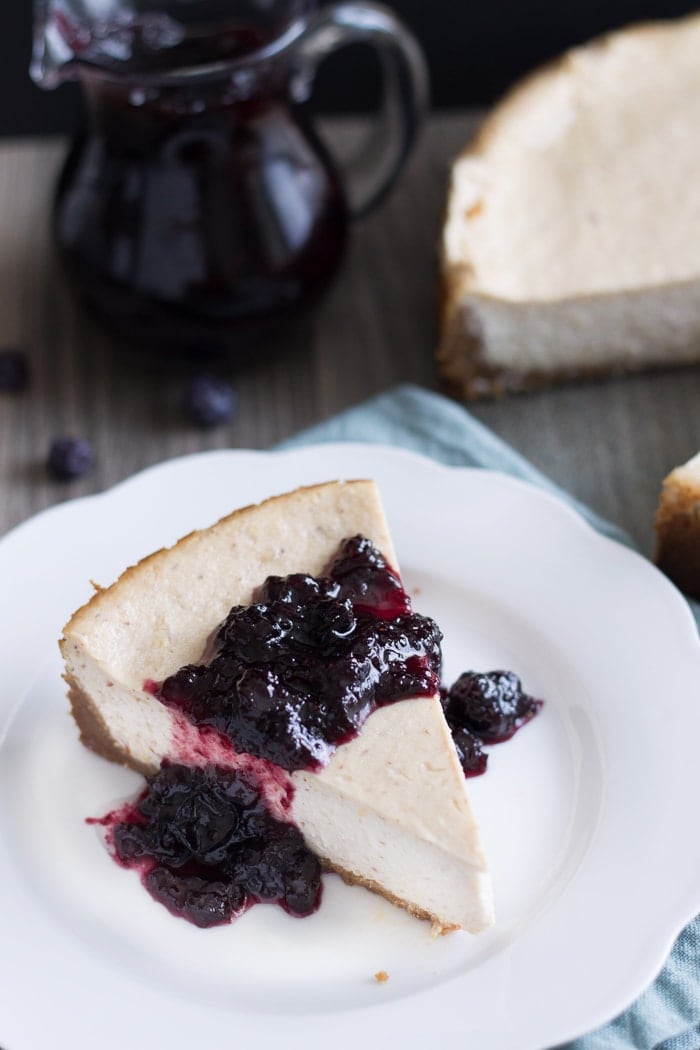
{"x":470,"y":752}
{"x":14,"y":371}
{"x":204,"y":902}
{"x":362,"y":572}
{"x":70,"y":457}
{"x":209,"y":401}
{"x":491,"y":705}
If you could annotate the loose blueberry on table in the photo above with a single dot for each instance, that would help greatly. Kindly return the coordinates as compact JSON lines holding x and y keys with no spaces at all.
{"x":287,"y":680}
{"x":70,"y":458}
{"x":209,"y":401}
{"x":14,"y":371}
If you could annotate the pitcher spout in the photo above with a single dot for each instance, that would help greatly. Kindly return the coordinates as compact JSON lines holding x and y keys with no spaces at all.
{"x":75,"y":36}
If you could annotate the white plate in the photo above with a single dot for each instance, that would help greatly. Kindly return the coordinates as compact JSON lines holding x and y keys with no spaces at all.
{"x":585,"y":814}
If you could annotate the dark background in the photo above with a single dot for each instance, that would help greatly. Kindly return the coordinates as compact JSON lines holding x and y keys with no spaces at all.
{"x":474,"y":51}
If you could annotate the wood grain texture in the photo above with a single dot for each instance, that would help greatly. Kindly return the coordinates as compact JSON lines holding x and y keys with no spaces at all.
{"x":610,"y":443}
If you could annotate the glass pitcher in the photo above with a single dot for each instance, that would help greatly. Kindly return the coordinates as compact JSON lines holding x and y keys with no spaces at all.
{"x":199,"y":203}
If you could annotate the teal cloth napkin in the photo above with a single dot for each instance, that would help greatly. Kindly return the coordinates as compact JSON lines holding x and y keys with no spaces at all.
{"x":667,"y":1015}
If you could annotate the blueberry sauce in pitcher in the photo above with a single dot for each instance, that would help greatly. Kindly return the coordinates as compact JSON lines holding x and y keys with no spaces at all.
{"x":195,"y":212}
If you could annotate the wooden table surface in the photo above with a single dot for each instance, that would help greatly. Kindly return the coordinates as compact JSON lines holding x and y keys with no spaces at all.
{"x":610,"y":443}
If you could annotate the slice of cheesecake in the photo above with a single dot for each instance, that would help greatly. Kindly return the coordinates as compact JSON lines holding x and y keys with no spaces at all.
{"x":389,"y":808}
{"x":570,"y":242}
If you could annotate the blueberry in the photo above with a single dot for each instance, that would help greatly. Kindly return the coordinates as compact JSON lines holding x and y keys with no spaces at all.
{"x":491,"y":705}
{"x":470,"y":752}
{"x":209,"y":401}
{"x":70,"y":457}
{"x":14,"y":371}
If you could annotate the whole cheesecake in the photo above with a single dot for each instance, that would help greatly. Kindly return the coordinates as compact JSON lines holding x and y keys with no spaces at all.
{"x":386,"y":806}
{"x":569,"y":248}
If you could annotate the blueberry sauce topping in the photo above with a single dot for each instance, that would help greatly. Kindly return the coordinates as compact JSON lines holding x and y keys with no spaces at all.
{"x":470,"y":751}
{"x":207,"y":847}
{"x":290,"y":677}
{"x":486,"y":707}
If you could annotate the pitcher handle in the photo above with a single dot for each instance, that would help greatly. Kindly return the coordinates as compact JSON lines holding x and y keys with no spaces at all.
{"x":371,"y":173}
